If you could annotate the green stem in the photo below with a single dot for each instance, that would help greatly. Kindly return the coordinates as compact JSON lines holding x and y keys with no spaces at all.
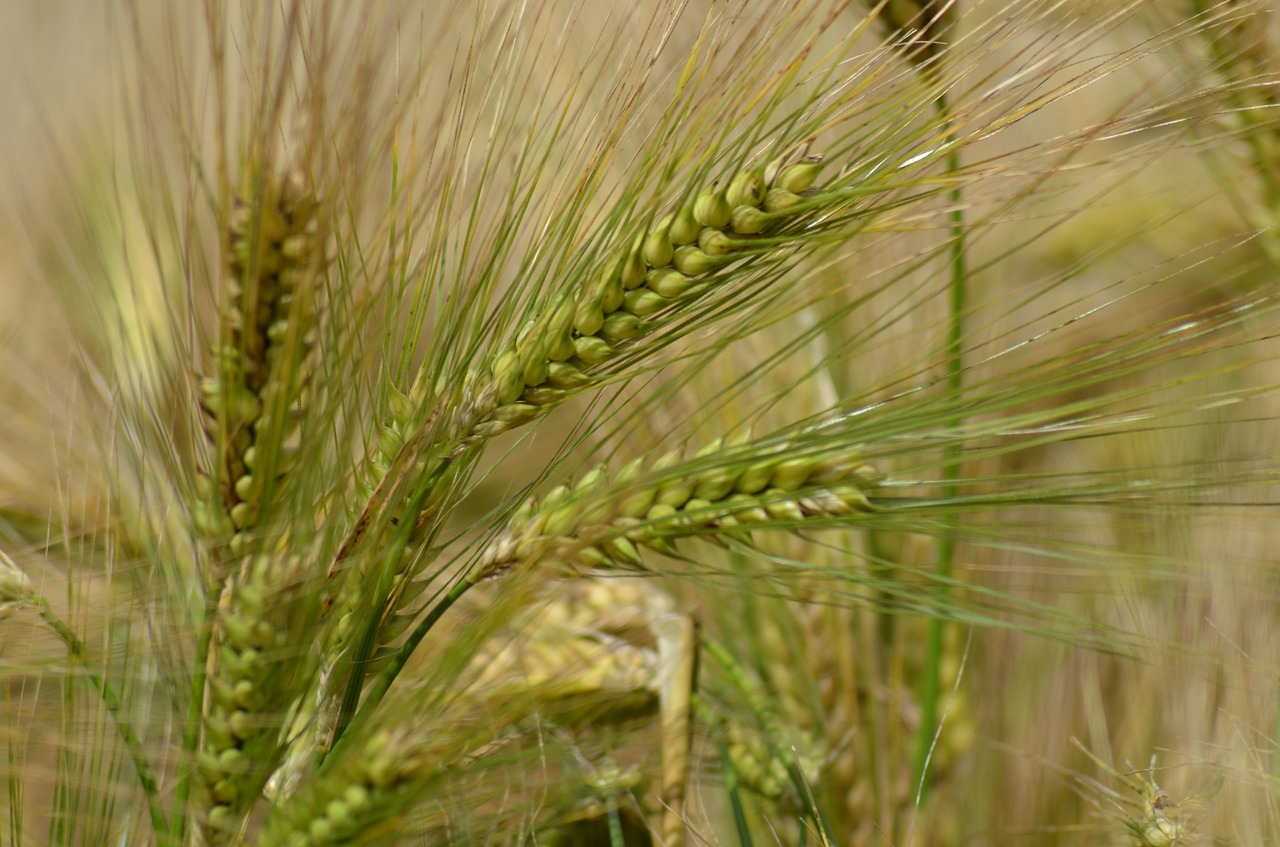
{"x":744,"y":685}
{"x":159,"y":823}
{"x":930,"y":688}
{"x":735,"y":796}
{"x":772,"y":730}
{"x":398,"y":661}
{"x":369,"y":637}
{"x":616,"y":838}
{"x":191,"y":733}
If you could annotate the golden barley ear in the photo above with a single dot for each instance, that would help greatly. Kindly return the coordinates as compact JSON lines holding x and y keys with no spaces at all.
{"x":252,"y":401}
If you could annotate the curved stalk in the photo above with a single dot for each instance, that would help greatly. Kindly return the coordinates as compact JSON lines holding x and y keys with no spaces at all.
{"x":98,"y":680}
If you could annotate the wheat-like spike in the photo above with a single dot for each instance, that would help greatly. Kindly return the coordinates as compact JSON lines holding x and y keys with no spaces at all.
{"x":559,"y":661}
{"x":588,"y":332}
{"x":361,"y":793}
{"x":632,"y":295}
{"x":616,"y":639}
{"x":1241,"y":43}
{"x":756,"y":763}
{"x":638,"y":290}
{"x":763,"y":758}
{"x":255,"y":675}
{"x":275,"y":256}
{"x":1153,"y":818}
{"x":598,"y":523}
{"x":568,"y":349}
{"x":349,"y":601}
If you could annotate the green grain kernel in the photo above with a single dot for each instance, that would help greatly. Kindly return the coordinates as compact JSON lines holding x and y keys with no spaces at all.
{"x":691,"y":261}
{"x":669,"y":282}
{"x":779,"y":200}
{"x":746,"y":189}
{"x":592,"y":350}
{"x":711,"y":209}
{"x":643,"y":302}
{"x":749,"y":220}
{"x":658,"y":249}
{"x":799,"y":177}
{"x":684,"y":227}
{"x":621,"y":326}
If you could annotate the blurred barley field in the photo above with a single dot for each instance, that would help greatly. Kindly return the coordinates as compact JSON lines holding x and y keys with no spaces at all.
{"x":1047,"y":615}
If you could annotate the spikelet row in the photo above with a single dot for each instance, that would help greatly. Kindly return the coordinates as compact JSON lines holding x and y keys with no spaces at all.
{"x":681,"y":257}
{"x":591,"y":635}
{"x":362,"y":793}
{"x":250,"y":403}
{"x":599,"y":521}
{"x":250,"y":688}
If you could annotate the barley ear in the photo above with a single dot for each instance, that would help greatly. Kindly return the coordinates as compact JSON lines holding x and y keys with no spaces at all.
{"x":584,"y":335}
{"x":598,"y":522}
{"x":251,"y":402}
{"x":364,"y":792}
{"x":640,"y":288}
{"x":259,"y":666}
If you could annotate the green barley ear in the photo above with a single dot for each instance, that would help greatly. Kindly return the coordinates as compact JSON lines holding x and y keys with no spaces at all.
{"x":507,"y":243}
{"x":723,"y":493}
{"x":588,"y":333}
{"x":363,"y":795}
{"x":599,"y":328}
{"x":260,"y":663}
{"x":254,"y":397}
{"x":645,"y":285}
